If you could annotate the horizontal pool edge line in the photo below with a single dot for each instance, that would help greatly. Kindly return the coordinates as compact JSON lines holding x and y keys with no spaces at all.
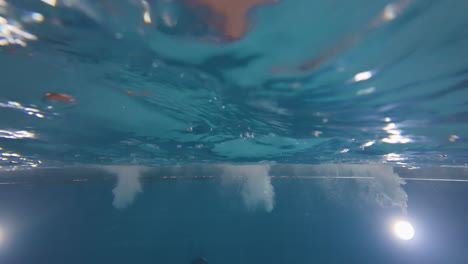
{"x":108,"y":179}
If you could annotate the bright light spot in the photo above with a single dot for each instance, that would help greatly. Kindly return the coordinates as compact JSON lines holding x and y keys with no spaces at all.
{"x":147,"y":17}
{"x":37,"y":17}
{"x":403,"y":230}
{"x":367,"y":144}
{"x":344,"y":150}
{"x":394,"y":139}
{"x":16,"y":134}
{"x":50,"y":2}
{"x":395,"y":135}
{"x":31,"y":109}
{"x":393,"y":157}
{"x":22,"y":33}
{"x":146,"y":13}
{"x":390,"y":12}
{"x":10,"y":154}
{"x":453,"y":138}
{"x":389,"y":127}
{"x":393,"y":10}
{"x":12,"y":33}
{"x":16,"y":105}
{"x":362,"y":76}
{"x":387,"y":119}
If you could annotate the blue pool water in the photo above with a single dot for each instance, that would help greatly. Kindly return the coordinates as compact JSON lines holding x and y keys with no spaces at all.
{"x":327,"y":82}
{"x":257,"y":131}
{"x":178,"y":220}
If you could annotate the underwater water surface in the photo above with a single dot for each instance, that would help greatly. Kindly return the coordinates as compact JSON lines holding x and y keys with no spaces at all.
{"x":307,"y":82}
{"x":249,"y":131}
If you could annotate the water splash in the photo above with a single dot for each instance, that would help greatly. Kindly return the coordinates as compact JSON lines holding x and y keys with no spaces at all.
{"x":128,"y":184}
{"x":256,"y":189}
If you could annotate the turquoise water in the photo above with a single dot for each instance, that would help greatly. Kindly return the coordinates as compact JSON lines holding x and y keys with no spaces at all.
{"x":290,"y":131}
{"x":311,"y":82}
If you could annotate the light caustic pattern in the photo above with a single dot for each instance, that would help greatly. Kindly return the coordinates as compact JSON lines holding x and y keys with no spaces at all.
{"x":195,"y":81}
